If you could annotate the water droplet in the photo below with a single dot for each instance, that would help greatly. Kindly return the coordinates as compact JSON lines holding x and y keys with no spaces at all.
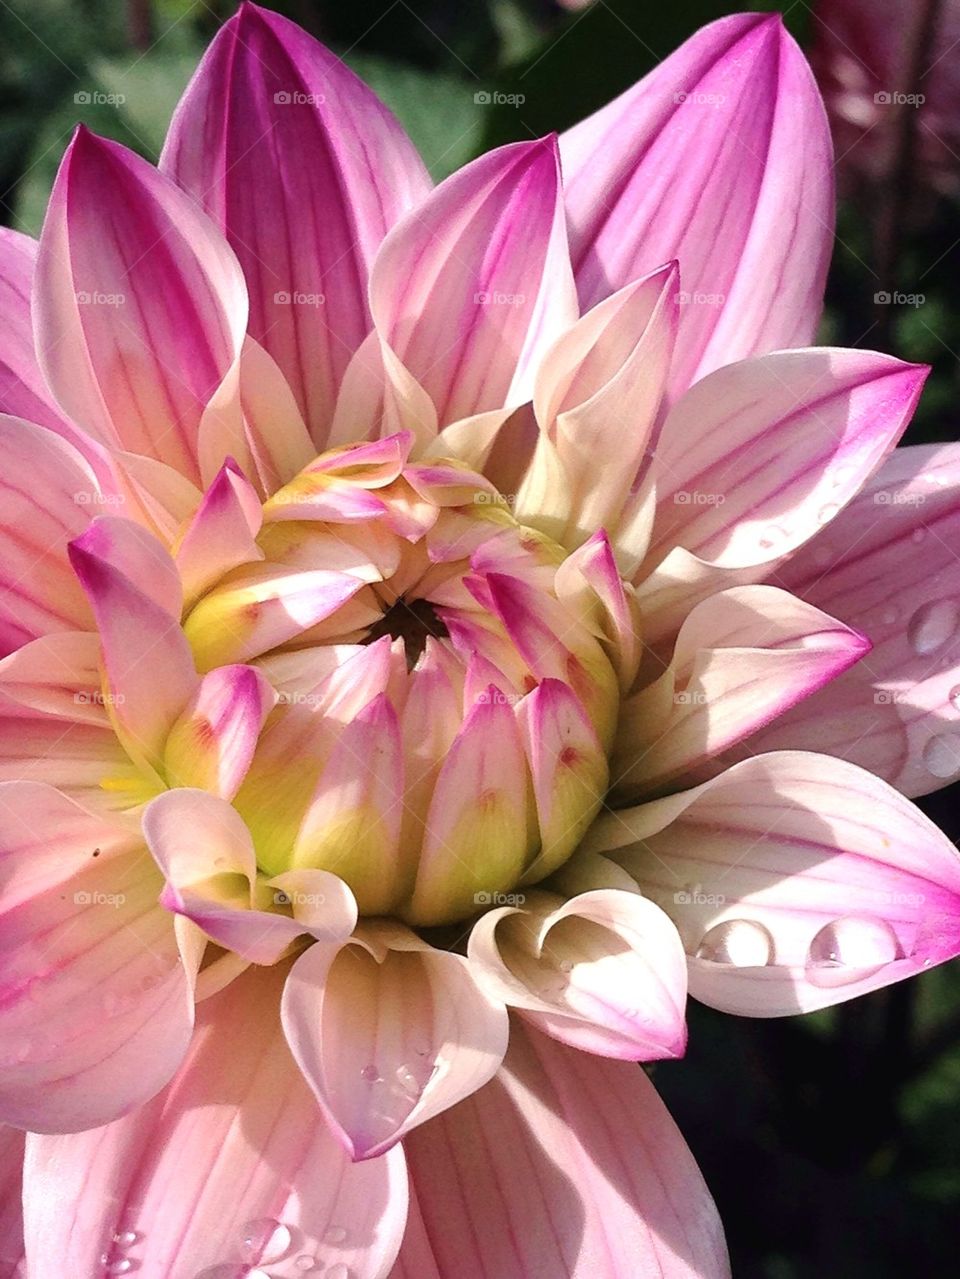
{"x":740,"y":942}
{"x":850,"y":948}
{"x":125,"y":1238}
{"x":932,"y":625}
{"x":116,"y":1265}
{"x":265,"y":1240}
{"x":955,"y":697}
{"x":334,"y":1235}
{"x":566,"y":965}
{"x":232,"y":1270}
{"x":305,"y":1262}
{"x":339,"y":1271}
{"x":371,"y":1074}
{"x":409,"y":1084}
{"x":941,"y":754}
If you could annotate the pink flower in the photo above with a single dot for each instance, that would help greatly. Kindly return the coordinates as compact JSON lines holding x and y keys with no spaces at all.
{"x":418,"y":612}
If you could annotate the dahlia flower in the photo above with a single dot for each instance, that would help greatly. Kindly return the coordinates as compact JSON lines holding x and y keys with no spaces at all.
{"x":424,"y":614}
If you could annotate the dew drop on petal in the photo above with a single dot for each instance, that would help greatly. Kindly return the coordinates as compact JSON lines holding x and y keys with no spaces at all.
{"x":116,"y":1265}
{"x":339,"y":1271}
{"x":742,"y":943}
{"x":851,"y":948}
{"x":371,"y":1073}
{"x":941,"y":754}
{"x":566,"y":965}
{"x":334,"y":1235}
{"x":305,"y":1262}
{"x":265,"y":1240}
{"x":125,"y":1238}
{"x":954,"y":697}
{"x":932,"y":625}
{"x":408,"y":1082}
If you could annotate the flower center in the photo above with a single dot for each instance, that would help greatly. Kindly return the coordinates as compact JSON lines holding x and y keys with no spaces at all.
{"x":411,"y":622}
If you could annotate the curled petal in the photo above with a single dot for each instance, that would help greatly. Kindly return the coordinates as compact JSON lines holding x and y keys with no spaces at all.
{"x":96,"y":1007}
{"x":795,"y":880}
{"x":206,"y":854}
{"x":229,"y":1166}
{"x":590,"y":1170}
{"x":604,"y":972}
{"x":221,"y":534}
{"x":389,"y":1032}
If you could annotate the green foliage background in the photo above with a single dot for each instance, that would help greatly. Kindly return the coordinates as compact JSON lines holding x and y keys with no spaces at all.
{"x":832,"y":1143}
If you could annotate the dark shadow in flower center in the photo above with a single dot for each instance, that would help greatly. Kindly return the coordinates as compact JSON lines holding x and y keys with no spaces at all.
{"x":412,"y":622}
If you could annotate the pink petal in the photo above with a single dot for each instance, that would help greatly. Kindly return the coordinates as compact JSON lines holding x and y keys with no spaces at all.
{"x":279,"y":441}
{"x":189,"y":1184}
{"x":604,"y":972}
{"x":389,"y":1032}
{"x":212,"y":743}
{"x":83,"y":759}
{"x":11,"y":1211}
{"x":141,"y":306}
{"x":796,"y":881}
{"x":204,"y":850}
{"x":888,"y":565}
{"x":598,"y":392}
{"x":23,"y":389}
{"x":305,"y":171}
{"x":470,"y":288}
{"x":58,"y":674}
{"x":721,"y":159}
{"x":742,"y":657}
{"x":221,"y":534}
{"x":47,"y":496}
{"x":95,"y":1006}
{"x":757,"y":458}
{"x":476,"y":832}
{"x":147,"y":661}
{"x":564,"y":1167}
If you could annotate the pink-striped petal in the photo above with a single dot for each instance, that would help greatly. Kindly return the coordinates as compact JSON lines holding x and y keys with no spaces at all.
{"x":742,"y":657}
{"x":389,"y":1032}
{"x":564,"y":1167}
{"x":720,"y":158}
{"x":48,"y":494}
{"x":96,"y":1008}
{"x":757,"y":458}
{"x":795,"y":880}
{"x":889,"y":565}
{"x":305,"y":171}
{"x":140,"y":305}
{"x":604,"y":972}
{"x":212,"y":743}
{"x":147,"y":662}
{"x":472,"y":286}
{"x":230,"y":1169}
{"x":11,"y":1209}
{"x":221,"y":534}
{"x":207,"y":856}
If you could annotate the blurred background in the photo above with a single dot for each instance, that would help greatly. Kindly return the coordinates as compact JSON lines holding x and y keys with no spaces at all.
{"x":832,"y":1143}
